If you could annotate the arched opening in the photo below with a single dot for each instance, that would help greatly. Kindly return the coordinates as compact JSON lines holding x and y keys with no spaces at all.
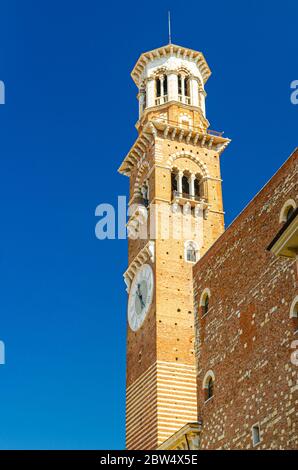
{"x":197,"y":186}
{"x":205,"y":306}
{"x":256,"y":435}
{"x":187,"y":86}
{"x":287,"y":210}
{"x":157,"y":87}
{"x":204,"y":302}
{"x":191,"y":252}
{"x":294,"y":308}
{"x":179,"y":85}
{"x":209,"y":388}
{"x":165,"y":86}
{"x":174,"y":182}
{"x":208,"y":385}
{"x":185,"y":186}
{"x":183,"y":88}
{"x":294,"y":313}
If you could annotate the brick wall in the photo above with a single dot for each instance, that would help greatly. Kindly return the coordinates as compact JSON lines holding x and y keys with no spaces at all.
{"x":246,"y":336}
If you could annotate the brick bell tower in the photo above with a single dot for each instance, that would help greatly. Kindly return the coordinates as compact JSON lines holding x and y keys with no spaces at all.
{"x":176,"y":214}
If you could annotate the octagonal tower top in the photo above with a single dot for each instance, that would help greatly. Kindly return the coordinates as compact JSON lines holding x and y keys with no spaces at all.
{"x":171,"y":74}
{"x":169,"y":56}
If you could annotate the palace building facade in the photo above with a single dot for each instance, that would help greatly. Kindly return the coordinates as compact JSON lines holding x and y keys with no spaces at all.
{"x":203,"y":302}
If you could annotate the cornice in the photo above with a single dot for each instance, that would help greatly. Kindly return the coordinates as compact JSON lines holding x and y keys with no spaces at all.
{"x":164,"y":129}
{"x":167,"y":51}
{"x":136,"y":155}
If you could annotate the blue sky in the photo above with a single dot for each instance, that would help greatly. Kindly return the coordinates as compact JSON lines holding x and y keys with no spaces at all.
{"x":67,"y":123}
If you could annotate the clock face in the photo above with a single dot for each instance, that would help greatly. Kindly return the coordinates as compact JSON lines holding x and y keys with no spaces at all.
{"x":140,"y":297}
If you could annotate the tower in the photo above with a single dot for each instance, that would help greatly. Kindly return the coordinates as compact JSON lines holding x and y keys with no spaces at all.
{"x":175,"y":215}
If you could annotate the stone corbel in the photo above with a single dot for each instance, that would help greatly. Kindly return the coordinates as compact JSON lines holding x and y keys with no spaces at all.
{"x":153,"y":129}
{"x":206,"y":211}
{"x":187,"y":208}
{"x":199,"y":210}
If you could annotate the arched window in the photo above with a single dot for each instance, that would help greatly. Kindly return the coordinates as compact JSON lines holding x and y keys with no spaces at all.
{"x":165,"y":85}
{"x":204,"y":302}
{"x":158,"y":87}
{"x":185,"y":185}
{"x":191,"y":252}
{"x":287,"y":210}
{"x":183,"y":88}
{"x":294,"y":313}
{"x":197,"y":188}
{"x":187,"y":87}
{"x":179,"y":85}
{"x":256,"y":435}
{"x":174,"y":182}
{"x":209,"y":388}
{"x":205,"y":307}
{"x":208,"y":385}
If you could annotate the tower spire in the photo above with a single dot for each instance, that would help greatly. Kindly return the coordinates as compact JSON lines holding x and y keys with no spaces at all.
{"x":169,"y":24}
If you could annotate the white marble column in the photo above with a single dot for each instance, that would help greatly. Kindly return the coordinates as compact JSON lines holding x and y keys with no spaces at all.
{"x":192,"y":185}
{"x":173,"y":86}
{"x":183,"y":86}
{"x":179,"y":182}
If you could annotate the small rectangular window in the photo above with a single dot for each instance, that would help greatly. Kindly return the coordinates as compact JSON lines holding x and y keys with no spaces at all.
{"x":256,"y":435}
